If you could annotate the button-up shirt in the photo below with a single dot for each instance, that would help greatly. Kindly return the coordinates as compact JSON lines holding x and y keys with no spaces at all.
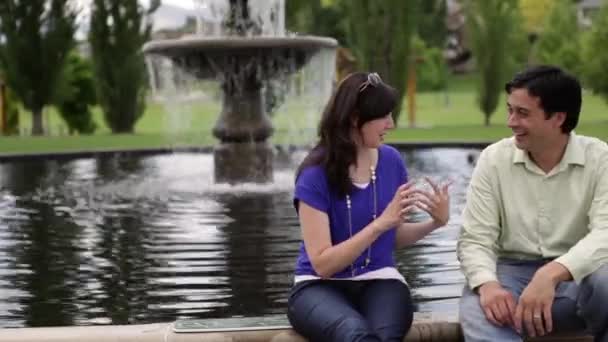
{"x":515,"y":210}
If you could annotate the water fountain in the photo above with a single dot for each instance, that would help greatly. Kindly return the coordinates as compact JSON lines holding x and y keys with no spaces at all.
{"x":243,"y":45}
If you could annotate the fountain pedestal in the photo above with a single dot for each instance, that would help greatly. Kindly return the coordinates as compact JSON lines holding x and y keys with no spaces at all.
{"x":243,"y":128}
{"x":238,"y":162}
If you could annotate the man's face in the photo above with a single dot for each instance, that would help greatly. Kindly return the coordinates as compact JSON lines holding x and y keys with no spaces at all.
{"x":532,"y":130}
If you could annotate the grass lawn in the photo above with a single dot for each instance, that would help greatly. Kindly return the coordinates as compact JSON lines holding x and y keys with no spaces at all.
{"x":450,"y":115}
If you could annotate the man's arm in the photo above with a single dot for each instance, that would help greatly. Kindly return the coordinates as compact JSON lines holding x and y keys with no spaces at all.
{"x":477,"y":244}
{"x":591,"y":252}
{"x":480,"y":227}
{"x":535,"y":302}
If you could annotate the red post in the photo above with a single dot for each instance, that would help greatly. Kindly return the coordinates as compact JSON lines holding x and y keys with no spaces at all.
{"x":411,"y":94}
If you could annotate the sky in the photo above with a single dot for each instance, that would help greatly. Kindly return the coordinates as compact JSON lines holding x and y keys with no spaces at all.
{"x":189,"y":4}
{"x":164,"y":19}
{"x":181,"y":3}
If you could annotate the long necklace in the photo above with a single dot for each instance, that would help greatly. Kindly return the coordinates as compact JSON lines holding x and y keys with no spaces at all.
{"x":368,"y":258}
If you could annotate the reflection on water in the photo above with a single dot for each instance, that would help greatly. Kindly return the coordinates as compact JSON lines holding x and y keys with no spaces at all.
{"x":151,"y":239}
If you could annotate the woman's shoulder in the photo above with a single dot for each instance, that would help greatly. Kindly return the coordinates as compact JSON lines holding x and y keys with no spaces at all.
{"x":311,"y":173}
{"x":390,"y":152}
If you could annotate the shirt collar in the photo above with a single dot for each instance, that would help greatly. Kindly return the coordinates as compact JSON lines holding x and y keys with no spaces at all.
{"x":574,"y":154}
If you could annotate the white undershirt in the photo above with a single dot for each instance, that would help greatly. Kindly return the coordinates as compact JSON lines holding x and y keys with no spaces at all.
{"x":361,"y":185}
{"x":381,"y":273}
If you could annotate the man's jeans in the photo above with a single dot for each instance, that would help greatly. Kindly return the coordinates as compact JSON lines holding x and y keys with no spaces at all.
{"x":581,"y":307}
{"x":349,"y":310}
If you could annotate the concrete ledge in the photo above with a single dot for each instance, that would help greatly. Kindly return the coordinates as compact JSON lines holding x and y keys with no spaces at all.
{"x":163,"y":332}
{"x":427,"y":327}
{"x":566,"y":337}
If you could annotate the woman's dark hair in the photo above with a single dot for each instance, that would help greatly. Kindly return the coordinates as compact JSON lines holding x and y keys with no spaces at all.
{"x":558,"y":92}
{"x":361,"y":97}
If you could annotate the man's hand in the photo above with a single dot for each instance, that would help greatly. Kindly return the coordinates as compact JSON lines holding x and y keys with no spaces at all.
{"x":497,"y":303}
{"x":534,"y":308}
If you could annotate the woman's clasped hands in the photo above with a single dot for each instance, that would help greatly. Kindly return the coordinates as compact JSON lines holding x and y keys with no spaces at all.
{"x":409,"y":197}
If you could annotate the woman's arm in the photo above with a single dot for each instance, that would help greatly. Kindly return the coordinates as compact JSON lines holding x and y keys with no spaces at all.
{"x":410,"y":232}
{"x":326,"y":259}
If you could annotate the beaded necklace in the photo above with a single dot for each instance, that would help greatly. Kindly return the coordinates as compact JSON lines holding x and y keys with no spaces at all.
{"x":368,"y":258}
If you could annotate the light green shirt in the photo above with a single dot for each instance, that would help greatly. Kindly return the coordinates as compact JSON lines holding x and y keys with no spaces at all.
{"x":515,"y":210}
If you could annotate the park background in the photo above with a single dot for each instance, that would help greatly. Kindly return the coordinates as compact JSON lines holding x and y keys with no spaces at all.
{"x":449,"y":68}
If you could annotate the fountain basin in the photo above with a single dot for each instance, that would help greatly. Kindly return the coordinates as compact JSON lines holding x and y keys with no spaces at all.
{"x":196,"y":43}
{"x":233,"y":59}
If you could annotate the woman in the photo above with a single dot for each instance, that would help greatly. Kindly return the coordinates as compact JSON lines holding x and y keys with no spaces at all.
{"x":352,"y":204}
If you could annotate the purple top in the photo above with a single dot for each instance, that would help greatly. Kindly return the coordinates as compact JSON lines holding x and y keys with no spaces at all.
{"x":312,"y":188}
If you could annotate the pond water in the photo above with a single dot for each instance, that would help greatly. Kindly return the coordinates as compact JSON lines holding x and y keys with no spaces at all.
{"x":118,"y":240}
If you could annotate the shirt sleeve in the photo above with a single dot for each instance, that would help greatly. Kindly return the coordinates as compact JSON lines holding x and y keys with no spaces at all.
{"x":312,"y":189}
{"x":476,"y":247}
{"x":591,"y":252}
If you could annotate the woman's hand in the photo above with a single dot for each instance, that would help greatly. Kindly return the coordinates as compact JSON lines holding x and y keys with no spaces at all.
{"x":436,"y":204}
{"x":403,"y":202}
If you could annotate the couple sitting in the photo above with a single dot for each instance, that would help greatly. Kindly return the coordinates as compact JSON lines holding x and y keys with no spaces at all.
{"x":534,"y":238}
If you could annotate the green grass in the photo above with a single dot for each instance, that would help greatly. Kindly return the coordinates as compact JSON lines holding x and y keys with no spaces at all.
{"x":450,"y":115}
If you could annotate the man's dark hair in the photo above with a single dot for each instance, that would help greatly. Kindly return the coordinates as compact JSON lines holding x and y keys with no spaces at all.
{"x":557,"y":90}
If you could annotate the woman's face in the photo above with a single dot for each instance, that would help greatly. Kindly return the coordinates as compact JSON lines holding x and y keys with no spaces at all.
{"x":372,"y":133}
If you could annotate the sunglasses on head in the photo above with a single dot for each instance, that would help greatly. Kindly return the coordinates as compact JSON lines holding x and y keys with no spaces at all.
{"x":373,"y":79}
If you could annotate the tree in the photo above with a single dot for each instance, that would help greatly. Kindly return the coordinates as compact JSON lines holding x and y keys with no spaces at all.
{"x":118,"y":30}
{"x":595,"y":53}
{"x":37,"y":34}
{"x":559,"y":40}
{"x":380,"y":35}
{"x":77,"y":94}
{"x":431,"y":26}
{"x":495,"y":42}
{"x":432,"y":70}
{"x":315,"y":17}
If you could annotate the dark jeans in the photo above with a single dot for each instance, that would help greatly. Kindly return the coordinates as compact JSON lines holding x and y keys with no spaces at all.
{"x":347,"y":310}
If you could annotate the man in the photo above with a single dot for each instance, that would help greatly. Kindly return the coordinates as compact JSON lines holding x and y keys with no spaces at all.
{"x":534,"y":240}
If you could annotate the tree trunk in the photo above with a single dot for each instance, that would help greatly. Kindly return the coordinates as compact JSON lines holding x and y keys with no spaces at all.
{"x":487,"y":120}
{"x":37,"y":128}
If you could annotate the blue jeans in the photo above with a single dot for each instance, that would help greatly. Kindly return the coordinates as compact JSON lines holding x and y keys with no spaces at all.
{"x":575,"y":308}
{"x":346,"y":310}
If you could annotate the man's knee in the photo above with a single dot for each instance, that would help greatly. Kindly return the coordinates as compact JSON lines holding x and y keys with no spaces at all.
{"x":592,"y":301}
{"x":475,"y":325}
{"x":471,"y":314}
{"x":594,"y":288}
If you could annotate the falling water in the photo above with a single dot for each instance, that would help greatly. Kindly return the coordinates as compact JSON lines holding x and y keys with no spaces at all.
{"x":263,"y":18}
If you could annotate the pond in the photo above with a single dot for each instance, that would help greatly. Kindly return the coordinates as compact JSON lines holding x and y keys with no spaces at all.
{"x":141,"y":239}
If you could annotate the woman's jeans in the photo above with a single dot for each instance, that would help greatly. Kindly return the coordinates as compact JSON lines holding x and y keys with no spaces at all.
{"x":581,"y":307}
{"x":349,"y":310}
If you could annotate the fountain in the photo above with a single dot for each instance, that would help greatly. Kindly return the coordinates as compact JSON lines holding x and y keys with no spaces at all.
{"x":243,"y":45}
